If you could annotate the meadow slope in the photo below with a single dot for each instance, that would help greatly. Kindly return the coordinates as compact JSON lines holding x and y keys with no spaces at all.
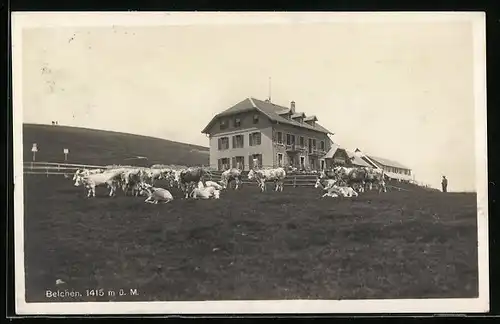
{"x":98,"y":147}
{"x":249,"y":245}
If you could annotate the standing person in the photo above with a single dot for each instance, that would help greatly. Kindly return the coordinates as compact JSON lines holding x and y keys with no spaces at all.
{"x":444,"y":183}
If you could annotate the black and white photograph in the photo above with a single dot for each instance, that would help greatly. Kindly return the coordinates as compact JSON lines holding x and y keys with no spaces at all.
{"x":250,"y":162}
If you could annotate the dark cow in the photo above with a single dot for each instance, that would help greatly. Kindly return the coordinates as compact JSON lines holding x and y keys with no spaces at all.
{"x":190,"y":177}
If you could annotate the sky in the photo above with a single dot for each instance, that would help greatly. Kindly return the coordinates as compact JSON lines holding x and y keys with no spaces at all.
{"x":403,"y":91}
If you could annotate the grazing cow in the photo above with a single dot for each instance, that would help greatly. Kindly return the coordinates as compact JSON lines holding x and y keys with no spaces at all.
{"x":91,"y":181}
{"x":230,"y":175}
{"x":351,"y":176}
{"x":131,"y":180}
{"x":156,"y":195}
{"x":191,"y":176}
{"x":262,"y":175}
{"x":205,"y":193}
{"x":86,"y":172}
{"x":151,"y":175}
{"x":375,"y":177}
{"x":213,"y":184}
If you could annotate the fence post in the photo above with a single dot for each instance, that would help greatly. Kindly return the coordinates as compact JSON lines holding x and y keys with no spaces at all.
{"x":47,"y":172}
{"x":295,"y":181}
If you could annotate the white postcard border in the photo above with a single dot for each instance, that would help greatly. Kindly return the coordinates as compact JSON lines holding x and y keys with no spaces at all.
{"x":22,"y":20}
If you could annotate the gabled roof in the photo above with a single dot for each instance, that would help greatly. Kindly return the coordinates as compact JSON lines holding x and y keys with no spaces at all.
{"x":356,"y":160}
{"x":270,"y":110}
{"x":333,"y":149}
{"x":387,"y":162}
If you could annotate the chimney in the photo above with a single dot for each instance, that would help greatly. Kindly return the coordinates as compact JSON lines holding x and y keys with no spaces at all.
{"x":292,"y":107}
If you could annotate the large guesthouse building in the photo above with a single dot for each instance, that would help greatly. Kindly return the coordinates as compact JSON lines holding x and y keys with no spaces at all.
{"x":273,"y":135}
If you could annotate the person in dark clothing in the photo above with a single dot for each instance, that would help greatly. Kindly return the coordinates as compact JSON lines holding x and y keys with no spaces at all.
{"x":444,"y":184}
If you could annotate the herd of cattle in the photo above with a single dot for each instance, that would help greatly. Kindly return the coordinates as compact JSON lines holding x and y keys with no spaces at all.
{"x":197,"y":182}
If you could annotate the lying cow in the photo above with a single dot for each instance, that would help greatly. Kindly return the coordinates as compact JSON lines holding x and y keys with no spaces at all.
{"x":338,"y":191}
{"x":325,"y":183}
{"x":156,"y":195}
{"x":205,"y":193}
{"x":213,"y":184}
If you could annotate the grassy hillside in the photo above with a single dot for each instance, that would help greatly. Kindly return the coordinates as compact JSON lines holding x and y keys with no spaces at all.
{"x":249,"y":245}
{"x":91,"y":146}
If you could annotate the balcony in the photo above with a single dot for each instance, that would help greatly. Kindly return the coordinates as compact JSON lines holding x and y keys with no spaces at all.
{"x":317,"y":152}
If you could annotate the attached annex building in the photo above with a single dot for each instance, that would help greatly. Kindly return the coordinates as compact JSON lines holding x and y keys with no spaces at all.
{"x":274,"y":135}
{"x":392,"y":169}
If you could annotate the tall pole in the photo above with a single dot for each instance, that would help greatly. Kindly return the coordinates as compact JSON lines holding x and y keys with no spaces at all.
{"x":269,"y":88}
{"x":34,"y":153}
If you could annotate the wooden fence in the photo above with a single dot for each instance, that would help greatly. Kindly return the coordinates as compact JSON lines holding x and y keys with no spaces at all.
{"x":67,"y":169}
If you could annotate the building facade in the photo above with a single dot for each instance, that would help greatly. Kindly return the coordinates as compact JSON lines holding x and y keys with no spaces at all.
{"x":392,"y":169}
{"x":272,"y":135}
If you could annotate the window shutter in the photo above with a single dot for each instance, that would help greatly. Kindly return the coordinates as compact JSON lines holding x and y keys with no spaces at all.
{"x":260,"y":160}
{"x":250,"y":139}
{"x":218,"y":143}
{"x":234,"y":141}
{"x":259,"y":139}
{"x":234,"y":162}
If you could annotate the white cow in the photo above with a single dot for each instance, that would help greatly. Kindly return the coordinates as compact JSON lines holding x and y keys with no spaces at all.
{"x":338,"y":191}
{"x":213,"y":184}
{"x":262,"y":175}
{"x":205,"y":193}
{"x":156,"y":195}
{"x":325,"y":184}
{"x":91,"y":181}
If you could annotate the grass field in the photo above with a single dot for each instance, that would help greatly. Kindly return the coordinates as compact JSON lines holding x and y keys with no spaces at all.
{"x":249,"y":245}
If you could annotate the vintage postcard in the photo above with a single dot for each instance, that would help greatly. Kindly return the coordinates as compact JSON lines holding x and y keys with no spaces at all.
{"x":239,"y":163}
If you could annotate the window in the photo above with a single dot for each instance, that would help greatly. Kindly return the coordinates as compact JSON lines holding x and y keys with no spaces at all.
{"x":238,"y":141}
{"x":290,"y":139}
{"x":301,"y":141}
{"x":255,"y":119}
{"x":279,"y":137}
{"x":223,"y":143}
{"x":239,"y":162}
{"x":254,"y":139}
{"x":322,"y":145}
{"x":255,"y":160}
{"x":302,"y":163}
{"x":237,"y":122}
{"x":310,"y":145}
{"x":322,"y":164}
{"x":314,"y":143}
{"x":280,"y":159}
{"x":223,"y":124}
{"x":223,"y":164}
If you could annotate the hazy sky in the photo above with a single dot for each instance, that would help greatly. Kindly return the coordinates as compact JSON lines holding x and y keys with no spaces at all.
{"x":403,"y":91}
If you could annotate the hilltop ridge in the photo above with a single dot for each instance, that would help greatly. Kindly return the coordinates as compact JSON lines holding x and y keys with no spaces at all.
{"x":101,"y":147}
